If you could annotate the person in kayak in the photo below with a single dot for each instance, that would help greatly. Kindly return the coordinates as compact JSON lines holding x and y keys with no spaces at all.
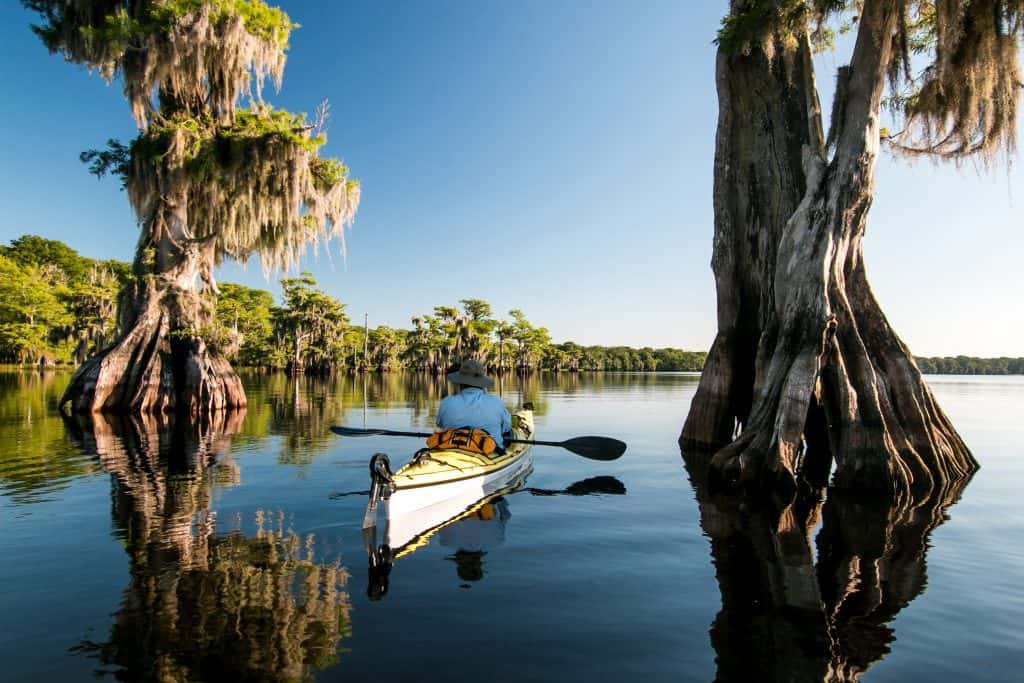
{"x":472,"y":406}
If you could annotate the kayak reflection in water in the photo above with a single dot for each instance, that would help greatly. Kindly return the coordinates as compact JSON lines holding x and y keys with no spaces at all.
{"x":470,"y":532}
{"x":473,"y":536}
{"x":405,"y":534}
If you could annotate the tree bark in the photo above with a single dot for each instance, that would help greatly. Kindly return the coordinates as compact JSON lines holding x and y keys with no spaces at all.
{"x":160,"y":362}
{"x":805,"y":363}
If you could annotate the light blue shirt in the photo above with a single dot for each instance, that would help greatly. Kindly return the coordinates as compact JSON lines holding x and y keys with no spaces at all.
{"x":473,"y":407}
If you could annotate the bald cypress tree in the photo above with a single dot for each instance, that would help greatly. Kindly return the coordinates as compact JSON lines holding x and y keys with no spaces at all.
{"x":207,"y":179}
{"x":806,"y":370}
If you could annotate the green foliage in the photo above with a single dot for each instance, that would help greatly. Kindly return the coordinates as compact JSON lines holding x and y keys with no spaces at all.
{"x":922,"y":29}
{"x":756,"y":20}
{"x":55,"y":306}
{"x":964,"y":103}
{"x":256,"y":182}
{"x":268,"y":23}
{"x":327,"y":172}
{"x":246,"y":318}
{"x":530,"y":341}
{"x":32,"y":315}
{"x":120,"y":30}
{"x":93,"y":305}
{"x":115,"y":160}
{"x":954,"y":74}
{"x":111,"y":36}
{"x":32,"y":250}
{"x":385,"y":345}
{"x":266,"y":122}
{"x":314,"y":325}
{"x":969,"y":365}
{"x":759,"y":18}
{"x":476,"y":309}
{"x":319,"y":341}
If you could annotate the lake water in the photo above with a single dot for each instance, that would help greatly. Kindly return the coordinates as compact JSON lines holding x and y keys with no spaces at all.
{"x":231,"y":551}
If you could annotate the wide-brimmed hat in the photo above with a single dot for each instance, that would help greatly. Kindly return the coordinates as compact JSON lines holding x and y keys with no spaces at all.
{"x":471,"y":373}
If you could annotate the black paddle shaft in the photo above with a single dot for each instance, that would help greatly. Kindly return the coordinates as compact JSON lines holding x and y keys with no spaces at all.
{"x":593,"y":447}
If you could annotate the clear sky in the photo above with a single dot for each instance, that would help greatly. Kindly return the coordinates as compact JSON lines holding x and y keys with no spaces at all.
{"x":549,"y":155}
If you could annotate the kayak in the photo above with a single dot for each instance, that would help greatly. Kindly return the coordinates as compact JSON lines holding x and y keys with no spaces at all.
{"x":435,"y":476}
{"x":434,"y":489}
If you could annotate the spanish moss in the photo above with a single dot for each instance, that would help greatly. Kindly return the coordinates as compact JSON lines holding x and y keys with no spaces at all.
{"x":967,"y":100}
{"x":201,"y":55}
{"x":256,"y":187}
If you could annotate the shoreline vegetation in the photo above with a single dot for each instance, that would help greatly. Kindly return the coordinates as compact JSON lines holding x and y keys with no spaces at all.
{"x":58,"y":308}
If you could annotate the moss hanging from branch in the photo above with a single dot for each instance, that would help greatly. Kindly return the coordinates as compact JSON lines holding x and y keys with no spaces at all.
{"x":256,"y":186}
{"x":201,"y":54}
{"x":966,"y":101}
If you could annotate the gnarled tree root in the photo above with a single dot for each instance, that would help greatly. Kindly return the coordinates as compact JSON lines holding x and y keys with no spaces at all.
{"x":155,"y":367}
{"x":856,"y":398}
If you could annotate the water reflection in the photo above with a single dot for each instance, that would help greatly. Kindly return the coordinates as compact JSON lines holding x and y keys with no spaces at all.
{"x":204,"y":605}
{"x":785,"y":617}
{"x":36,"y":463}
{"x":301,"y":409}
{"x":473,"y":536}
{"x":469,"y":532}
{"x":600,"y":485}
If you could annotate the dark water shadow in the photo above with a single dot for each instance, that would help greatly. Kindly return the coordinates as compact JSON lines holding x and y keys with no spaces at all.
{"x":203,"y":604}
{"x":792,"y":614}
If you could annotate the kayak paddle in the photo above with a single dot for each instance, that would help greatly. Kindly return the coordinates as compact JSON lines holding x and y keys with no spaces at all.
{"x":593,"y":447}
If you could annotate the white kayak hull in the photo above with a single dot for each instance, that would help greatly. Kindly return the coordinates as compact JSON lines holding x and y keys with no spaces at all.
{"x":414,"y":513}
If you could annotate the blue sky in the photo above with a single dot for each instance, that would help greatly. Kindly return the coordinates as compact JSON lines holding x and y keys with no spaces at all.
{"x":553,"y":156}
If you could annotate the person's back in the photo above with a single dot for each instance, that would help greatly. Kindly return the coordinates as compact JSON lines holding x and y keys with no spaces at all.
{"x":473,"y":406}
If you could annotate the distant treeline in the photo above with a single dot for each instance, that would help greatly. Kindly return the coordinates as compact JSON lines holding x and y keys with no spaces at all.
{"x":57,"y":307}
{"x":967,"y":365}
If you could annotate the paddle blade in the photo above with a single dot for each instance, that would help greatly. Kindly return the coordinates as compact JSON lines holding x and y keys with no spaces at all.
{"x":349,"y":431}
{"x":595,"y":447}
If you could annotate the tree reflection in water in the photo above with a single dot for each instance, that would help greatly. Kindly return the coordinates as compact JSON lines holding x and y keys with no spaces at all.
{"x":203,"y":606}
{"x":785,"y":617}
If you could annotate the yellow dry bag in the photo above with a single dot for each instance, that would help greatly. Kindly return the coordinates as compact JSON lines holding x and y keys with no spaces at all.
{"x":464,"y":439}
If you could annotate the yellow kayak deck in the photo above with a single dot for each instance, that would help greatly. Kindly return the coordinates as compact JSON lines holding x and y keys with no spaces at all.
{"x":432,"y":467}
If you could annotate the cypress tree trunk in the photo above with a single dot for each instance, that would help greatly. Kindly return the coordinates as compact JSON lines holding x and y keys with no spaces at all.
{"x":160,"y":362}
{"x":805,"y":362}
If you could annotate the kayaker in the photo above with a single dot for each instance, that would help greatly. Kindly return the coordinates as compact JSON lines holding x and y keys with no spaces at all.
{"x":472,"y":406}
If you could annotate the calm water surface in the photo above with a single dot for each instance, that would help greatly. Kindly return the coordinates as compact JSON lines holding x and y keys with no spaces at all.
{"x":231,"y":551}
